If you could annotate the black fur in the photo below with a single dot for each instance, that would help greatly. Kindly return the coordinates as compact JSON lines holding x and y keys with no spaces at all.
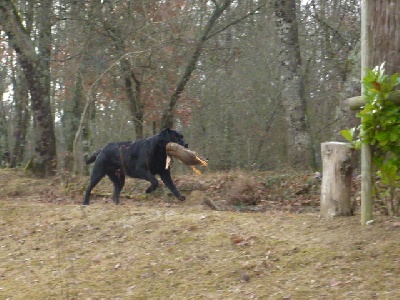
{"x":142,"y":159}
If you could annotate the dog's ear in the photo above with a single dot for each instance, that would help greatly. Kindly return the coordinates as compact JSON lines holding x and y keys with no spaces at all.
{"x":164,"y":134}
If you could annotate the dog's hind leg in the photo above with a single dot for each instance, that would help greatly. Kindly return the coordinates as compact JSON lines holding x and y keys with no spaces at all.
{"x":94,"y":180}
{"x":118,"y":180}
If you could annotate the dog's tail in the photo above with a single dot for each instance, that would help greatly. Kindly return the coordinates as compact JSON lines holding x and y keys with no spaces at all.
{"x":93,"y":157}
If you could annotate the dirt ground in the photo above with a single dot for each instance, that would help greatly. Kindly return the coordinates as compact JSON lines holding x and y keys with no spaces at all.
{"x":238,"y":236}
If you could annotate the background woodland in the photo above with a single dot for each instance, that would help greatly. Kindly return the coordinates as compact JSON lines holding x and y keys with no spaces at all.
{"x":252,"y":84}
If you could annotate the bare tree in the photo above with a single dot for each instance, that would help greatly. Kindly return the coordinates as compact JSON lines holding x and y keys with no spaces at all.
{"x":132,"y":84}
{"x":167,"y":119}
{"x":298,"y":134}
{"x":35,"y":61}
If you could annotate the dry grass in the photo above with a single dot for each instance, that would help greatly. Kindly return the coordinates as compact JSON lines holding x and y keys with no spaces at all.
{"x":156,"y":249}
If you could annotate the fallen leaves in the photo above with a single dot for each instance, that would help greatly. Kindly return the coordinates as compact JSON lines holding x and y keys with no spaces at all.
{"x":240,"y":240}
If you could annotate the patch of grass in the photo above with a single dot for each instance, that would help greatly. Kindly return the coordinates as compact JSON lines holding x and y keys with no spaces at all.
{"x":154,"y":249}
{"x":107,"y":251}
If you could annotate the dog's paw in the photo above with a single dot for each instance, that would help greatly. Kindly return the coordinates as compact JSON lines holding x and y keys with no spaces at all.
{"x":182,"y":198}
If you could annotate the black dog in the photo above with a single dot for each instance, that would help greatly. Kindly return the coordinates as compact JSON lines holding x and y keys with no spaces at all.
{"x":142,"y":159}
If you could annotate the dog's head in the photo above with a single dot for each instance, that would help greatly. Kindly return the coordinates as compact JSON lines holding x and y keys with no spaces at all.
{"x":173,"y":136}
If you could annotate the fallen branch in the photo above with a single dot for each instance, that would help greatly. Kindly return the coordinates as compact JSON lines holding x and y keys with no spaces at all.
{"x":188,"y":157}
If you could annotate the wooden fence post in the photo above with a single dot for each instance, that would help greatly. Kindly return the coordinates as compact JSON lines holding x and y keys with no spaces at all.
{"x":366,"y":154}
{"x":337,"y":164}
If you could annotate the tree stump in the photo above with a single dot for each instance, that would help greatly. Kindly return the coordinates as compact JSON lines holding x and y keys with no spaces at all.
{"x":337,"y":164}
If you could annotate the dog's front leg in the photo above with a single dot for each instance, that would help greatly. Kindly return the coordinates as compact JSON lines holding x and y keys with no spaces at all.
{"x":166,"y":178}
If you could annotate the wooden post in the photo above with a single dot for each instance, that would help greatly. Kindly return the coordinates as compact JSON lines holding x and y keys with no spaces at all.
{"x":366,"y":176}
{"x":358,"y":102}
{"x":337,"y":164}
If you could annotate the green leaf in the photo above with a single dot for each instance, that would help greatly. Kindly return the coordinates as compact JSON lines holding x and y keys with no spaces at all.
{"x":397,"y":80}
{"x":394,"y":79}
{"x":389,"y":171}
{"x":393,"y":110}
{"x":357,"y":144}
{"x":382,"y":136}
{"x":383,"y":78}
{"x":378,"y":161}
{"x":370,"y":76}
{"x":348,"y":134}
{"x":394,"y":136}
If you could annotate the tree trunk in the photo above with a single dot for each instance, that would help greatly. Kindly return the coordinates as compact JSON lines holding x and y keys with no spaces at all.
{"x":36,"y":66}
{"x":132,"y":91}
{"x":70,"y":120}
{"x":87,"y":140}
{"x":4,"y":154}
{"x":300,"y":153}
{"x":21,"y":100}
{"x":337,"y":163}
{"x":384,"y":38}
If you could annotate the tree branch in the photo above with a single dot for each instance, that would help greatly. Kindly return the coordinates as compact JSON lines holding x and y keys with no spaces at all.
{"x":90,"y":99}
{"x":167,"y":118}
{"x":235,"y":22}
{"x":330,"y":28}
{"x":16,"y":32}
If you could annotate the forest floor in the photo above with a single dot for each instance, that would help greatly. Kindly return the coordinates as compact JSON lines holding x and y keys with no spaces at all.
{"x":237,"y":236}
